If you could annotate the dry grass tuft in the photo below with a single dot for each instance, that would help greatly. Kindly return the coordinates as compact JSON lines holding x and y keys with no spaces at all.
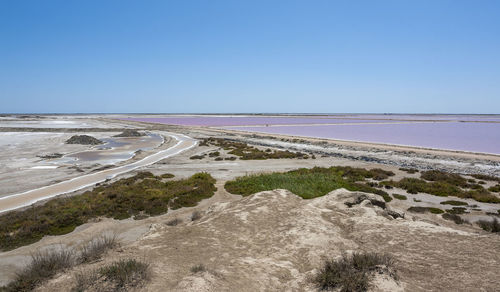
{"x":352,"y":273}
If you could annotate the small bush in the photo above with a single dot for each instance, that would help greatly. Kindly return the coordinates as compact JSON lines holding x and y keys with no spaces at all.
{"x":174,"y":222}
{"x":417,"y":209}
{"x":196,"y":215}
{"x":198,"y":269}
{"x":94,"y":249}
{"x":491,"y":226}
{"x":351,"y":273}
{"x":43,"y":266}
{"x":486,"y":177}
{"x":453,"y":203}
{"x":409,"y":170}
{"x":196,"y":157}
{"x":457,"y":210}
{"x":167,"y":175}
{"x":399,"y":197}
{"x":123,"y":273}
{"x":453,"y":217}
{"x":495,"y":189}
{"x":214,"y":154}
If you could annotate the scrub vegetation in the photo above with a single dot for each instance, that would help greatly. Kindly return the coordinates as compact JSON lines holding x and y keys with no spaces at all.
{"x":139,"y":196}
{"x":247,"y":152}
{"x":491,"y":226}
{"x":352,"y":273}
{"x":399,"y":197}
{"x":44,"y":265}
{"x":418,"y":209}
{"x":444,"y":184}
{"x":310,"y":183}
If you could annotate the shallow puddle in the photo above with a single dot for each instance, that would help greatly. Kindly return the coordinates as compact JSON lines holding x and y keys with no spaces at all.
{"x":114,"y":150}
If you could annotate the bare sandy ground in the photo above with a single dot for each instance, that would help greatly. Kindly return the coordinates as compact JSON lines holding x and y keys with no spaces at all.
{"x":275,"y":241}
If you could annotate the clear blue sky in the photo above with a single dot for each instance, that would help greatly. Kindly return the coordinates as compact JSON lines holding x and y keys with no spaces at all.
{"x":250,"y":56}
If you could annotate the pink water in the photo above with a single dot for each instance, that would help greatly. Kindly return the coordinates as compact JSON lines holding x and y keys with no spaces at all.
{"x":478,"y":133}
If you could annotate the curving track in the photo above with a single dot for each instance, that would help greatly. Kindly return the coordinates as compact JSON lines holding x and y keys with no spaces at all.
{"x":27,"y":198}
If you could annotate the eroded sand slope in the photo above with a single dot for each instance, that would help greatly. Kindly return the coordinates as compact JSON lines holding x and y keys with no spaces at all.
{"x":275,"y":241}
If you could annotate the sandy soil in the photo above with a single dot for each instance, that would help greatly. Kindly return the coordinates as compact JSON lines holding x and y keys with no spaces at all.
{"x":275,"y":241}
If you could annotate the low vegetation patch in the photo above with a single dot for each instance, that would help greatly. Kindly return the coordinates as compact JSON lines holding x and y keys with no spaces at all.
{"x":121,"y":275}
{"x":308,"y":183}
{"x":95,"y":248}
{"x":247,"y":152}
{"x":43,"y":266}
{"x":399,"y":197}
{"x":130,"y":133}
{"x":143,"y":194}
{"x":352,"y":273}
{"x":444,"y":184}
{"x":417,"y":209}
{"x":486,"y":177}
{"x":491,"y":226}
{"x":409,"y":170}
{"x":83,"y":140}
{"x":198,"y":269}
{"x":51,"y":156}
{"x":453,"y":217}
{"x":495,"y":189}
{"x":457,"y":210}
{"x":174,"y":222}
{"x":197,"y":157}
{"x":454,"y":203}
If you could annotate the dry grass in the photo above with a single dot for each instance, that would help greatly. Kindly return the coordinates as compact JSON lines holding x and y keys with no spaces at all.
{"x":352,"y":273}
{"x":174,"y":222}
{"x":43,"y":266}
{"x":491,"y":226}
{"x":198,"y":269}
{"x":196,"y":215}
{"x":95,"y":248}
{"x":121,"y":275}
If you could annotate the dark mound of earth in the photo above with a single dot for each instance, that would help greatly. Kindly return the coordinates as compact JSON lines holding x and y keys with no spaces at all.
{"x":83,"y":140}
{"x":130,"y":133}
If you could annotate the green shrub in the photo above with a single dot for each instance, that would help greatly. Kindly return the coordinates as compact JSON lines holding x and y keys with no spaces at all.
{"x":456,"y":210}
{"x":486,"y":177}
{"x":197,"y":157}
{"x":453,"y":203}
{"x":399,"y":197}
{"x":351,"y":273}
{"x":246,"y":152}
{"x":417,"y":209}
{"x":442,"y":188}
{"x":495,"y":189}
{"x":306,"y":183}
{"x":409,"y":170}
{"x":441,"y":176}
{"x":143,"y":195}
{"x":453,"y":217}
{"x":167,"y":175}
